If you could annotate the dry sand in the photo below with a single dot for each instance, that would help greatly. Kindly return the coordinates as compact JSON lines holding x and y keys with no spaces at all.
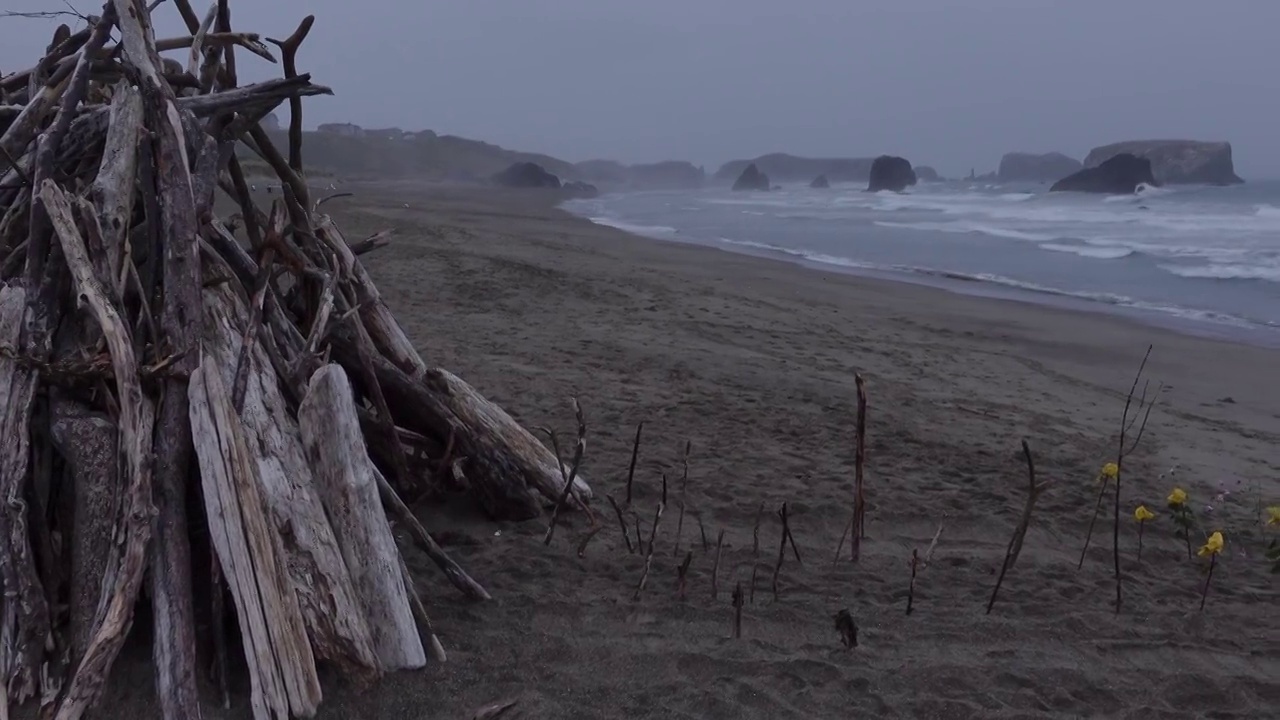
{"x":753,"y":361}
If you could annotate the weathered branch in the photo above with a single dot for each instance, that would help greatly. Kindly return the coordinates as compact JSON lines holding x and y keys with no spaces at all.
{"x":136,"y":421}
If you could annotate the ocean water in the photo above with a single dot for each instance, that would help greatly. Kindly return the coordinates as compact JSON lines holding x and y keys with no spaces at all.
{"x":1204,"y":259}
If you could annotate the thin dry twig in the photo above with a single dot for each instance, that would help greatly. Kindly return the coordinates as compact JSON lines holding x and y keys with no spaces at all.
{"x":737,"y":611}
{"x":715,"y":567}
{"x":682,"y":573}
{"x":572,"y":474}
{"x":1120,"y":455}
{"x":1015,"y":543}
{"x":782,"y":550}
{"x":653,"y":538}
{"x":622,"y":525}
{"x":635,"y":453}
{"x":684,"y":496}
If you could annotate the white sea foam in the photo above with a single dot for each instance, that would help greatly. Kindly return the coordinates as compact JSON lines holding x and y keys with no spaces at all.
{"x":646,"y":230}
{"x":1150,"y":244}
{"x":1226,"y":271}
{"x":1097,"y":253}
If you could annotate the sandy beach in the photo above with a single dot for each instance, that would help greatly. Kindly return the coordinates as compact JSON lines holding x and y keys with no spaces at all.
{"x":753,"y":361}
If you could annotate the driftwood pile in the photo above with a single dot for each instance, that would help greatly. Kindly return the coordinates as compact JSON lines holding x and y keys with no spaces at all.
{"x":195,"y":408}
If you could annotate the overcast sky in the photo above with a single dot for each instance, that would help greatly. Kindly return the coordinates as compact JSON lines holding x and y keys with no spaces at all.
{"x":950,"y":83}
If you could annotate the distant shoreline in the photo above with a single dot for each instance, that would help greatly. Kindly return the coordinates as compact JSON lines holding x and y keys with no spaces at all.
{"x":1259,"y":336}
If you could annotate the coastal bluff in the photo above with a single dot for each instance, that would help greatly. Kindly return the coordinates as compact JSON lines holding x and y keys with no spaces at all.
{"x":1032,"y":167}
{"x":1177,"y":162}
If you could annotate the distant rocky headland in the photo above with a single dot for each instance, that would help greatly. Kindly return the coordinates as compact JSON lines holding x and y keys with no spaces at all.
{"x":668,"y":175}
{"x":1030,"y":167}
{"x":1191,"y":162}
{"x":781,"y":167}
{"x":350,"y":150}
{"x":1176,"y":161}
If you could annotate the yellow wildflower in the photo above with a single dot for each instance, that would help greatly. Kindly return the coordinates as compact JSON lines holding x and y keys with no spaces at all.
{"x":1178,"y":497}
{"x":1110,"y":471}
{"x":1213,"y":545}
{"x":1142,"y":514}
{"x":1273,"y":515}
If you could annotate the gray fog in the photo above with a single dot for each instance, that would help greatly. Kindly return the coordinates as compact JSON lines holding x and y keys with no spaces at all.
{"x":950,"y":83}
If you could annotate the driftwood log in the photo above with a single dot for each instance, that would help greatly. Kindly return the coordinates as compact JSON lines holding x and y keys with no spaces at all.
{"x":198,"y":402}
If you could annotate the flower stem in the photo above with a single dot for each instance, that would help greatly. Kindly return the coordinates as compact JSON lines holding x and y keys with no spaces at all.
{"x":1213,"y":560}
{"x":1141,"y":524}
{"x":1186,"y":531}
{"x":1089,"y":536}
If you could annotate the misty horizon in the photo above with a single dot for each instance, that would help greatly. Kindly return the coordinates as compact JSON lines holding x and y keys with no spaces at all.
{"x":950,"y":87}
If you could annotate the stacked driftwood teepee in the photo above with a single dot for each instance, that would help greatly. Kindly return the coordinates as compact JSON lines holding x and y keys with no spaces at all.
{"x":187,"y":400}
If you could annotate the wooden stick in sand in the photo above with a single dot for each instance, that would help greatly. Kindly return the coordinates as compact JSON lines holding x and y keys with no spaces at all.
{"x":782,"y":549}
{"x":682,"y":573}
{"x":859,"y":530}
{"x":737,"y":610}
{"x":791,"y":540}
{"x":653,"y":539}
{"x":856,"y":522}
{"x":755,"y":531}
{"x":1020,"y":532}
{"x":1088,"y":536}
{"x":702,"y":531}
{"x":928,"y":554}
{"x":635,"y":453}
{"x":755,"y":568}
{"x":572,"y":474}
{"x":1121,"y":452}
{"x":586,"y":538}
{"x":911,"y":589}
{"x":715,"y":567}
{"x":622,"y":524}
{"x":684,"y":497}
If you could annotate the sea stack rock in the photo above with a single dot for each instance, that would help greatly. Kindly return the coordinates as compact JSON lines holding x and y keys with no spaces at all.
{"x":1028,"y":167}
{"x":751,"y":179}
{"x":1119,"y":175}
{"x":526,"y":175}
{"x":889,"y":172}
{"x":1176,"y":161}
{"x":820,"y":183}
{"x":924,"y":173}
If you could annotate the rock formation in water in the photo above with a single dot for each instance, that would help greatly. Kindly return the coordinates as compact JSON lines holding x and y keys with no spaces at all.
{"x":751,"y":179}
{"x":889,"y":172}
{"x":820,"y":182}
{"x":579,"y":190}
{"x":1030,"y":167}
{"x":790,"y":168}
{"x":1118,"y":175}
{"x":526,"y":175}
{"x":1176,"y":161}
{"x":924,"y":173}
